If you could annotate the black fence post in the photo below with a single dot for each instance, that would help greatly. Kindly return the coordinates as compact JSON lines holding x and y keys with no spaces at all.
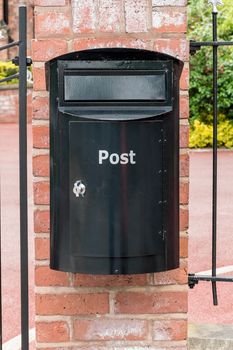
{"x":23,"y":175}
{"x":215,"y":155}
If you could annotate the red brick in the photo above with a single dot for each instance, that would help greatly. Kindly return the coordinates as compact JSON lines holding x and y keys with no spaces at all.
{"x":84,"y":16}
{"x":170,"y":330}
{"x":169,"y":2}
{"x":60,"y":348}
{"x":184,"y":136}
{"x":41,"y":221}
{"x":52,"y":332}
{"x":40,"y":136}
{"x":136,"y":14}
{"x":72,"y":304}
{"x":52,"y":23}
{"x":29,"y":107}
{"x":184,"y":219}
{"x":184,"y":192}
{"x":39,"y":79}
{"x":86,"y":347}
{"x":184,"y":164}
{"x":3,"y":41}
{"x":110,"y":280}
{"x":82,"y":44}
{"x":41,"y":165}
{"x":110,"y":15}
{"x":184,"y":79}
{"x":175,"y":47}
{"x":123,"y":347}
{"x":44,"y":50}
{"x":176,"y":276}
{"x":169,"y":20}
{"x":183,"y":247}
{"x":110,"y":329}
{"x":40,"y":107}
{"x":42,"y":246}
{"x":49,"y":3}
{"x":41,"y":192}
{"x":44,"y":276}
{"x":150,"y":302}
{"x":184,"y":107}
{"x":103,"y":347}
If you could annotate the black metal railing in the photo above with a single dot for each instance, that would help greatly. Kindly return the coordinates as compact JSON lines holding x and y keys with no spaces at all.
{"x":22,"y":61}
{"x":194,"y":46}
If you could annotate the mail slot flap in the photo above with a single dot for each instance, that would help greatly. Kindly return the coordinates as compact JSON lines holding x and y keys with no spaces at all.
{"x":116,"y":113}
{"x":127,"y":83}
{"x":115,"y":86}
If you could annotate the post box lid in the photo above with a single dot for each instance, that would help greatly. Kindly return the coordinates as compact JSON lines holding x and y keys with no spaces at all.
{"x":114,"y":84}
{"x":110,"y":54}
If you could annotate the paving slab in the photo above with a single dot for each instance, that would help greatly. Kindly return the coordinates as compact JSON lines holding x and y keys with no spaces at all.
{"x":210,"y":337}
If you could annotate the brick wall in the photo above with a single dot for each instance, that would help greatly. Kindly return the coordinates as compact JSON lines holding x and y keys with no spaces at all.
{"x":13,"y":26}
{"x":106,"y":312}
{"x":9,"y":104}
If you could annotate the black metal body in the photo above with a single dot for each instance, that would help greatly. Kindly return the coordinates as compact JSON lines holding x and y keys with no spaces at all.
{"x":194,"y":46}
{"x":22,"y":62}
{"x":118,"y":102}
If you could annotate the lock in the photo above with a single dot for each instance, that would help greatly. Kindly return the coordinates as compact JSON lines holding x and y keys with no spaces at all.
{"x":79,"y":189}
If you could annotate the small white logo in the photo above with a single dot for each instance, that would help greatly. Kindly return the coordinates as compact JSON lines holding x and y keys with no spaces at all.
{"x":115,"y":158}
{"x":79,"y":188}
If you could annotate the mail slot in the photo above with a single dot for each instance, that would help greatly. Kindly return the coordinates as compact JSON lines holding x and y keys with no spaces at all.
{"x":114,"y":161}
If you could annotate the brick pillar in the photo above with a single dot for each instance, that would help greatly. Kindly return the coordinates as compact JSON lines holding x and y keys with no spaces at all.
{"x":106,"y":312}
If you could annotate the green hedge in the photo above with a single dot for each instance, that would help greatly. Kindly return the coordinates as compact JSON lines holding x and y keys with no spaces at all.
{"x":201,"y":67}
{"x":201,"y":73}
{"x":201,"y":134}
{"x":7,"y":69}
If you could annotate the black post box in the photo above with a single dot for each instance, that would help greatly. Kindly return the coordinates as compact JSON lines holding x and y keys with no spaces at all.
{"x":114,"y":153}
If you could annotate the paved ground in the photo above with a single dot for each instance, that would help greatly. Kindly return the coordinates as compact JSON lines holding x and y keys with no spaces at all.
{"x":201,"y":309}
{"x":10,"y":231}
{"x":211,"y":337}
{"x":200,"y":298}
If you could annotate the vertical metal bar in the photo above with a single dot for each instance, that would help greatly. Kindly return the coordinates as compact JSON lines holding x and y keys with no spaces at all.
{"x":5,"y":12}
{"x":215,"y":159}
{"x":23,"y":175}
{"x":0,"y":266}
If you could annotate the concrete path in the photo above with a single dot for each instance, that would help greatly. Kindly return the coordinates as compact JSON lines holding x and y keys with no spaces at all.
{"x":211,"y":337}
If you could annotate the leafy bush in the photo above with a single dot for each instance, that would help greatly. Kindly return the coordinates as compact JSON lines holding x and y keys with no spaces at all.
{"x":201,"y":76}
{"x":201,"y":134}
{"x":7,"y":69}
{"x":200,"y":29}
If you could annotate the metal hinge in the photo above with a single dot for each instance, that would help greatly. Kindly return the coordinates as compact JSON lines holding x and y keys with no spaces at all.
{"x":194,"y":47}
{"x":16,"y":61}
